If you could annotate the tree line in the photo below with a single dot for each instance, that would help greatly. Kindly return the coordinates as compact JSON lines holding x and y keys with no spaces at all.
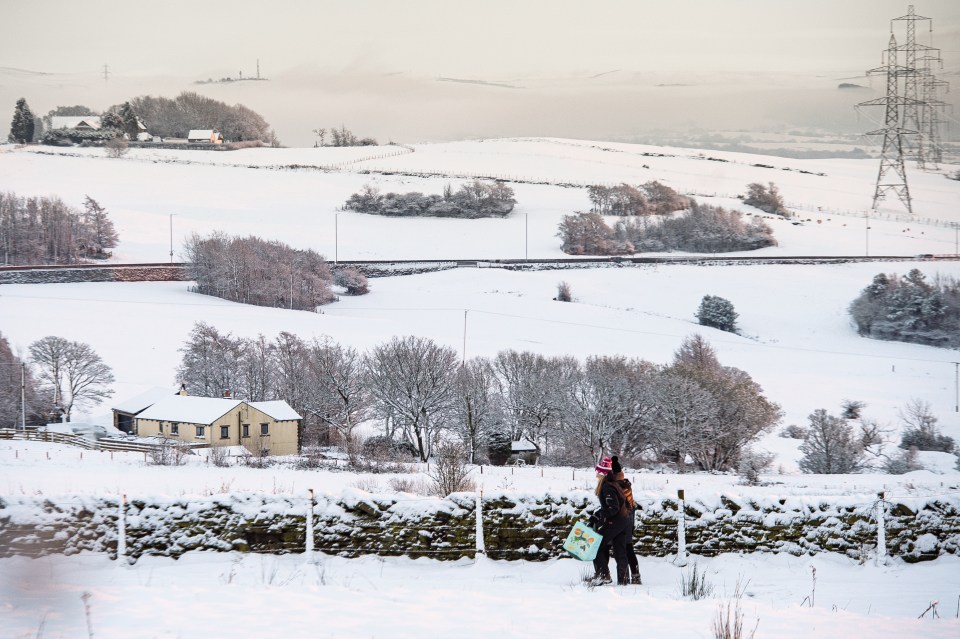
{"x":165,"y":117}
{"x":693,"y":412}
{"x":909,"y":309}
{"x":702,"y":228}
{"x":472,"y":200}
{"x":42,"y":230}
{"x":251,"y":270}
{"x":175,"y":117}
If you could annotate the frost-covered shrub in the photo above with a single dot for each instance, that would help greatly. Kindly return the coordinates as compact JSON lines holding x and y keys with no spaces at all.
{"x":564,"y":294}
{"x":353,"y":280}
{"x":449,"y":470}
{"x":752,"y":464}
{"x":767,"y":199}
{"x":382,"y":448}
{"x":793,"y":431}
{"x":921,"y":430}
{"x":718,"y":313}
{"x":473,"y":200}
{"x":905,"y":461}
{"x":909,"y":309}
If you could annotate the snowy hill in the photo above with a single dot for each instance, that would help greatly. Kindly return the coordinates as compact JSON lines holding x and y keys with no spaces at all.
{"x":797,"y":342}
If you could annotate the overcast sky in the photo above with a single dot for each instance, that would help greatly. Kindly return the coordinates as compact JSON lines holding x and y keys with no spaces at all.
{"x":488,"y":39}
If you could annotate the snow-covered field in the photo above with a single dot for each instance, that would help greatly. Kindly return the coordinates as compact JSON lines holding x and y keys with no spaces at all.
{"x":797,"y":342}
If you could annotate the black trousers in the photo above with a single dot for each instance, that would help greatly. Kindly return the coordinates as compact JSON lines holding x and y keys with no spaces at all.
{"x":614,"y":537}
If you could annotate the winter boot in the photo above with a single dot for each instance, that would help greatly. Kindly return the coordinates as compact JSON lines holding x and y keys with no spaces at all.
{"x":600,"y":579}
{"x":635,"y":579}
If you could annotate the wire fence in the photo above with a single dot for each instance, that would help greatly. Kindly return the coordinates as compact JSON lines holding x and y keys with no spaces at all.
{"x":502,"y":525}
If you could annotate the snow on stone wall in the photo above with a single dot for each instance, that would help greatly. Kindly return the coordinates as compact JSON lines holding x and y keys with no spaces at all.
{"x":516,"y":526}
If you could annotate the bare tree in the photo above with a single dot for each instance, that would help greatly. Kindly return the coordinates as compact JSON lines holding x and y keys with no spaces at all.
{"x":337,"y":393}
{"x":832,"y":446}
{"x":477,"y":411}
{"x":211,"y":361}
{"x":683,"y":409}
{"x":609,"y":406}
{"x":741,"y":413}
{"x":71,"y":374}
{"x":414,"y":379}
{"x":531,"y":387}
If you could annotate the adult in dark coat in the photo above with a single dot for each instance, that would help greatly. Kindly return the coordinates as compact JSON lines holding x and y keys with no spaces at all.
{"x":617,"y":471}
{"x":613,"y":522}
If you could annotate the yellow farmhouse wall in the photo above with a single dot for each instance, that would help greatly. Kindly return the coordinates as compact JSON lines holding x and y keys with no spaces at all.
{"x":281,"y":437}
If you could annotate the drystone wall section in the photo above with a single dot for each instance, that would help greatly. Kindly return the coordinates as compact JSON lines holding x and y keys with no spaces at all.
{"x":530,"y":527}
{"x":53,"y":275}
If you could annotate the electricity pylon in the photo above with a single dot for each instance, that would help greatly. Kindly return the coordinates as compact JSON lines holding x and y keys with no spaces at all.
{"x":891,"y":156}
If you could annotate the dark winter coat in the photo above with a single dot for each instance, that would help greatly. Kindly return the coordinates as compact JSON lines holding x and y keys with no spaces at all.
{"x":614,"y":511}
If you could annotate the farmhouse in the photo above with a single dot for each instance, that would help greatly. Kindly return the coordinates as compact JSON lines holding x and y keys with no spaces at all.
{"x":204,"y":136}
{"x":79,"y":122}
{"x":263,"y":428}
{"x":126,"y":411}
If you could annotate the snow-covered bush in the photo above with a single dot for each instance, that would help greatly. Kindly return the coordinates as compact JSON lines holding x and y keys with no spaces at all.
{"x":752,"y":464}
{"x":909,"y":309}
{"x":767,"y":199}
{"x":921,"y":430}
{"x":794,"y":431}
{"x":351,"y":279}
{"x":473,"y":200}
{"x":449,"y":471}
{"x":718,"y":313}
{"x":904,"y":461}
{"x":564,"y":294}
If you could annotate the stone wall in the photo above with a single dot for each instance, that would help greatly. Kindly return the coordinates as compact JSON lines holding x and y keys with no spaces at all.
{"x":54,"y":275}
{"x":514,"y":526}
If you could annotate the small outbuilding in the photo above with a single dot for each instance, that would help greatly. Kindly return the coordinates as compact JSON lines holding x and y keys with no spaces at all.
{"x":204,"y":136}
{"x":523,"y":452}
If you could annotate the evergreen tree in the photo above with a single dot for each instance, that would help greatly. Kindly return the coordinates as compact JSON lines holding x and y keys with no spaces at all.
{"x":131,"y":123}
{"x":113,"y":121}
{"x":100,"y":232}
{"x":717,"y":312}
{"x":22,"y":125}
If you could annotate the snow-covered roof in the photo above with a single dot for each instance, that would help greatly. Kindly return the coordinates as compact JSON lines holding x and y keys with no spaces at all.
{"x":144,"y":400}
{"x":193,"y":410}
{"x":522,"y":445}
{"x":278,"y":409}
{"x":200,"y":134}
{"x":73,"y":121}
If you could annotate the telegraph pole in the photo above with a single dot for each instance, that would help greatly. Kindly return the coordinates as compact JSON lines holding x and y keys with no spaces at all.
{"x":106,"y":72}
{"x":23,"y":396}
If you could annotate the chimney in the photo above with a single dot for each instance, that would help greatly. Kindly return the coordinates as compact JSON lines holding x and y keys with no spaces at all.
{"x":226,"y":393}
{"x":183,"y":390}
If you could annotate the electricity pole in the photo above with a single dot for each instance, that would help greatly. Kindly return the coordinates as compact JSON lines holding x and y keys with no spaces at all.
{"x":891,"y":156}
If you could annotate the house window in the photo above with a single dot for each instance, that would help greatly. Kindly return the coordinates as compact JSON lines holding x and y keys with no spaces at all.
{"x":264,"y":429}
{"x":174,"y":428}
{"x":246,"y":430}
{"x":224,"y":432}
{"x":200,"y":434}
{"x":160,"y":428}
